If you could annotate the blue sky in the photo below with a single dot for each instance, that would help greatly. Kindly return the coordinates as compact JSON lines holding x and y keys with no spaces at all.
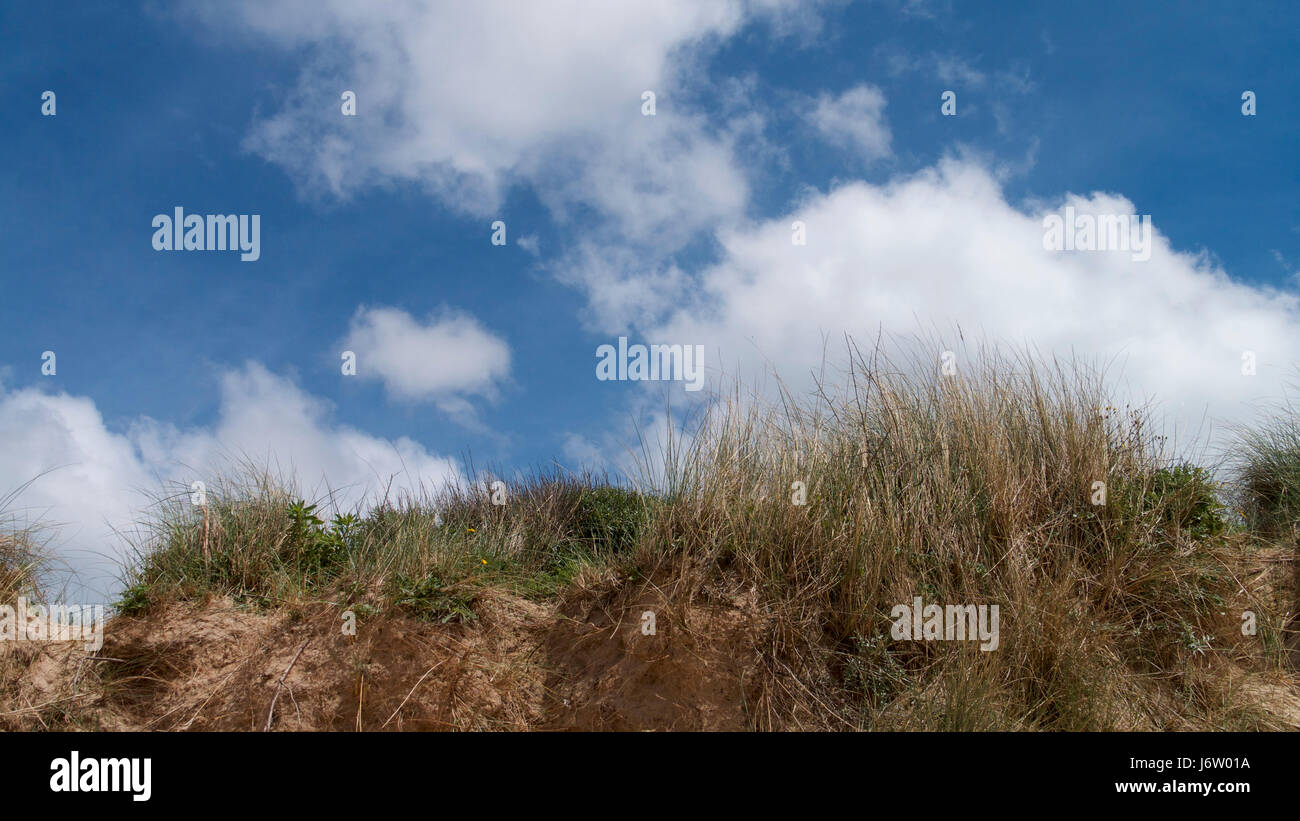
{"x":650,"y":227}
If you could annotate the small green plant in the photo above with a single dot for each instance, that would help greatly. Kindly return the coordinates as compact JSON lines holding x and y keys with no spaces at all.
{"x":1197,"y":645}
{"x":1186,"y":493}
{"x":431,"y":599}
{"x":561,"y":565}
{"x":317,"y":547}
{"x":362,"y":611}
{"x":135,"y":600}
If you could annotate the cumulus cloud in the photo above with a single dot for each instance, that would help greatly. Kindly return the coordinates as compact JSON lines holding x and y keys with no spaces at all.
{"x":654,"y":180}
{"x":623,"y":284}
{"x":944,"y":249}
{"x":854,"y":119}
{"x":468,"y":99}
{"x":443,"y":360}
{"x":92,"y":483}
{"x":85,"y":479}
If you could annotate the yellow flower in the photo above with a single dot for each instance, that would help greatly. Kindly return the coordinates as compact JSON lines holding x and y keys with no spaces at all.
{"x":484,"y":561}
{"x":471,"y":530}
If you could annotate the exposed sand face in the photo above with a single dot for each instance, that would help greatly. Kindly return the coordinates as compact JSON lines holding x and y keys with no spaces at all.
{"x":612,"y":654}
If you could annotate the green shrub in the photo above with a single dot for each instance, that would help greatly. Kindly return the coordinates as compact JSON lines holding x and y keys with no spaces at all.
{"x":315,"y":547}
{"x":1186,"y":495}
{"x":135,"y":599}
{"x":610,"y":518}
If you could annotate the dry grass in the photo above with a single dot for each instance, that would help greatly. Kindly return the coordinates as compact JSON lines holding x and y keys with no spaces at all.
{"x":968,"y":489}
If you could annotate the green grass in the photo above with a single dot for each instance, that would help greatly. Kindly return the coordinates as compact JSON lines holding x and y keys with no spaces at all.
{"x":258,"y":542}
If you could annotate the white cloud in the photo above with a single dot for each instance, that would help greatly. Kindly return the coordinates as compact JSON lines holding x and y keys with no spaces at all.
{"x":582,"y":452}
{"x":84,"y":479}
{"x":444,"y":360}
{"x":952,"y":70}
{"x":91,"y":481}
{"x":623,"y":284}
{"x":529,"y":243}
{"x":468,"y":99}
{"x":656,"y":180}
{"x":943,"y":249}
{"x":855,"y":119}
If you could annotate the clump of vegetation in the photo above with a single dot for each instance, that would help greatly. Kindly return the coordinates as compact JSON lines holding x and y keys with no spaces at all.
{"x":977,"y":488}
{"x":22,"y":557}
{"x":319,"y":547}
{"x":19,"y":563}
{"x":253,"y":539}
{"x":135,"y":599}
{"x":432,"y":599}
{"x":258,"y":541}
{"x":1186,"y":493}
{"x":1268,"y":472}
{"x":610,"y":518}
{"x":831,"y":510}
